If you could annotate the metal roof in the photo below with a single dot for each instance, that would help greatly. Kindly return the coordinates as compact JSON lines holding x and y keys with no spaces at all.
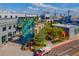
{"x":64,"y":25}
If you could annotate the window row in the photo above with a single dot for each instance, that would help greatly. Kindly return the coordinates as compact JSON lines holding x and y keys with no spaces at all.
{"x":5,"y":37}
{"x":4,"y":28}
{"x":7,"y":17}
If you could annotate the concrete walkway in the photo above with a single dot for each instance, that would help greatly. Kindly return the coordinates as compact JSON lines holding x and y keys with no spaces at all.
{"x":13,"y":49}
{"x":76,"y":54}
{"x":64,"y":46}
{"x":76,"y":37}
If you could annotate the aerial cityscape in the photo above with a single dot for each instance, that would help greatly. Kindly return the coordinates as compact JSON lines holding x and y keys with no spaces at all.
{"x":39,"y":29}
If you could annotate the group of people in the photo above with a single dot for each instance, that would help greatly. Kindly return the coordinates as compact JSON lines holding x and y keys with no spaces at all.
{"x":26,"y":47}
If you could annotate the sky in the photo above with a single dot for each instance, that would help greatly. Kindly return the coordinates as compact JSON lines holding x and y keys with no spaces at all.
{"x":38,"y":8}
{"x":23,"y":5}
{"x":65,"y":5}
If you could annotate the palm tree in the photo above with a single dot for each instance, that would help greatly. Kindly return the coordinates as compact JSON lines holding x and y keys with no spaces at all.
{"x":41,"y":37}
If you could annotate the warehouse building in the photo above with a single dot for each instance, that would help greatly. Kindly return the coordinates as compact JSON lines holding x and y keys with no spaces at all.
{"x":70,"y":30}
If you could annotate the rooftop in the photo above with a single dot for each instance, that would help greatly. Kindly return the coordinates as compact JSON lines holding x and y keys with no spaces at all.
{"x":64,"y":25}
{"x":7,"y":20}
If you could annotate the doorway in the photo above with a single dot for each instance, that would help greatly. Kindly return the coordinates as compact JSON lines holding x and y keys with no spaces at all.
{"x":4,"y":39}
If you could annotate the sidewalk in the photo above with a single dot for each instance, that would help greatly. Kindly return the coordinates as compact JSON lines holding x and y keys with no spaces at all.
{"x":13,"y":49}
{"x":76,"y":37}
{"x":76,"y":54}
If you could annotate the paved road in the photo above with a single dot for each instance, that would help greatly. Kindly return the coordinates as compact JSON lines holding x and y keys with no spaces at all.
{"x":13,"y":49}
{"x":77,"y":53}
{"x":72,"y":51}
{"x":66,"y":49}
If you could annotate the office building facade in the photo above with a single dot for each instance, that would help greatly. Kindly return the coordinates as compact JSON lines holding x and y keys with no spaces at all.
{"x":8,"y":23}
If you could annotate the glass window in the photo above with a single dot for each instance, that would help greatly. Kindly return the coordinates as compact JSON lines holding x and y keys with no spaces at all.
{"x":5,"y":16}
{"x":14,"y":26}
{"x":47,"y":18}
{"x":0,"y":16}
{"x":3,"y":39}
{"x":15,"y":16}
{"x":9,"y":34}
{"x":14,"y":33}
{"x":9,"y":27}
{"x":10,"y":16}
{"x":4,"y":29}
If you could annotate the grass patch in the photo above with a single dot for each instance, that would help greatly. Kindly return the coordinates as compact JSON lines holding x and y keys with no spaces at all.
{"x":60,"y":40}
{"x":56,"y":41}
